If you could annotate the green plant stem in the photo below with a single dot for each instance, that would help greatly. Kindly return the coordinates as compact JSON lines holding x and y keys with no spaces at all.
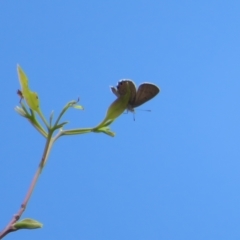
{"x":38,"y":127}
{"x":66,"y":107}
{"x":9,"y":228}
{"x":43,"y":119}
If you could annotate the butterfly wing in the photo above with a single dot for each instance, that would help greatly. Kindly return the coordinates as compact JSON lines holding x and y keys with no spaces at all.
{"x":115,"y":91}
{"x":145,"y":92}
{"x":121,"y":89}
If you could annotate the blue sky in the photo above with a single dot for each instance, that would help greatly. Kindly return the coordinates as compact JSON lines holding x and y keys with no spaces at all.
{"x":174,"y":173}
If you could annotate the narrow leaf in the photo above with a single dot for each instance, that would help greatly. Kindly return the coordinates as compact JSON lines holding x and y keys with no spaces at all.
{"x":27,"y":223}
{"x":30,"y":97}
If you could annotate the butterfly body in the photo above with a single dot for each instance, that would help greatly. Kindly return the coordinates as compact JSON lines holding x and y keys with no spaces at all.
{"x":144,"y":93}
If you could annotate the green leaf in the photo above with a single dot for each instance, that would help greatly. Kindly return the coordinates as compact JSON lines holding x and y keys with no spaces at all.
{"x":51,"y":118}
{"x":20,"y":111}
{"x":32,"y":100}
{"x":30,"y":97}
{"x":78,"y":107}
{"x":22,"y":78}
{"x":60,"y":125}
{"x":105,"y":130}
{"x":114,"y":110}
{"x":27,"y":223}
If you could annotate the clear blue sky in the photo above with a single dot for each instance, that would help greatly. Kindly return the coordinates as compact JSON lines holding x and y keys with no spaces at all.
{"x":173,"y":173}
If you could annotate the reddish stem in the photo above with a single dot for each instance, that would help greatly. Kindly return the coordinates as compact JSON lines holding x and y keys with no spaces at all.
{"x":9,"y":228}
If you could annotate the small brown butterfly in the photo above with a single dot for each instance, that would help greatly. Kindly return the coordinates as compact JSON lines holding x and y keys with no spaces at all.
{"x":144,"y":93}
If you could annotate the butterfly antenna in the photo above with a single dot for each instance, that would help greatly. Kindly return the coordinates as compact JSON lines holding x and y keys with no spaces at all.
{"x":133,"y":116}
{"x":145,"y":110}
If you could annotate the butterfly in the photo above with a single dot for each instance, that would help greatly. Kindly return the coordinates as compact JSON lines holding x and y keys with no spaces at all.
{"x":144,"y":93}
